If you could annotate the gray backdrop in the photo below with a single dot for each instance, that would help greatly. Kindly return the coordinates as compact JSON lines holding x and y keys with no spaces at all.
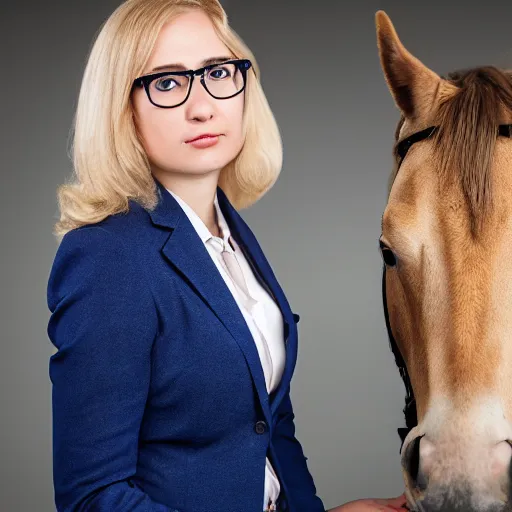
{"x":319,"y":225}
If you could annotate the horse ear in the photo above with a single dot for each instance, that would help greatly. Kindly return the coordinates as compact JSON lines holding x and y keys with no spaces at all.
{"x":413,"y":85}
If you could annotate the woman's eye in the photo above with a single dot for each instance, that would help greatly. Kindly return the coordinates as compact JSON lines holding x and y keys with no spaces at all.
{"x":166,"y":84}
{"x":217,"y":73}
{"x":387,"y":255}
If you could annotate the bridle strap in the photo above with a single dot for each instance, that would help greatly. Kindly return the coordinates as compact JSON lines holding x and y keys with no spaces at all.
{"x":410,"y":412}
{"x":410,"y":401}
{"x":405,"y":144}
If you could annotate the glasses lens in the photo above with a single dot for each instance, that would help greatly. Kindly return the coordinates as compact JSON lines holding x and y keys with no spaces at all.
{"x":224,"y":80}
{"x":169,"y":90}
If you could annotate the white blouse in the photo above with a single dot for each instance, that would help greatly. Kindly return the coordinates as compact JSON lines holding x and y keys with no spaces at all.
{"x":264,"y":318}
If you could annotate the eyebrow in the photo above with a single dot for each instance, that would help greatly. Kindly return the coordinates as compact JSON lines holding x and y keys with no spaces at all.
{"x":182,"y":67}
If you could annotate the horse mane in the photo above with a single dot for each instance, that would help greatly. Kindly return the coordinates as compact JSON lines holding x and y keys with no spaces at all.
{"x":467,"y":131}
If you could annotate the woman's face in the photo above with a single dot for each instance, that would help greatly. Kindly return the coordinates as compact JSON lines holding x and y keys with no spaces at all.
{"x":188,"y":41}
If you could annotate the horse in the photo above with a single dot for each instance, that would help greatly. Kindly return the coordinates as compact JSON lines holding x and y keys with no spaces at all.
{"x":446,"y":244}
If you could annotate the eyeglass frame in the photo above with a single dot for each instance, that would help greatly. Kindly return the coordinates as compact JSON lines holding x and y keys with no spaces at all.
{"x":243,"y":65}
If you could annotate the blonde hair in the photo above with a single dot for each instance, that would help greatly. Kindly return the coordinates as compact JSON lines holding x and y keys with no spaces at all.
{"x":109,"y":161}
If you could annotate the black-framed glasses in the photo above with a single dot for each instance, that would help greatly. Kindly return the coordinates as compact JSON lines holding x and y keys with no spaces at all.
{"x":169,"y":89}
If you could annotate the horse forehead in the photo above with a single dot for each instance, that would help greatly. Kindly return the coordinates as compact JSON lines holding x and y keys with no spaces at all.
{"x":412,"y":196}
{"x":424,"y":210}
{"x":420,"y":193}
{"x":420,"y":177}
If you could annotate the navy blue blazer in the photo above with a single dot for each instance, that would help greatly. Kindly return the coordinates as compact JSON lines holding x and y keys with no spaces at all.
{"x":158,"y":395}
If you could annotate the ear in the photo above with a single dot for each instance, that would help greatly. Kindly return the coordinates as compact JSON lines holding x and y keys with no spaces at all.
{"x":413,"y":85}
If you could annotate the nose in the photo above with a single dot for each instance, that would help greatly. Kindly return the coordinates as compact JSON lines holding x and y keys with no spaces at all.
{"x":199,"y":105}
{"x":198,"y":91}
{"x":451,"y":475}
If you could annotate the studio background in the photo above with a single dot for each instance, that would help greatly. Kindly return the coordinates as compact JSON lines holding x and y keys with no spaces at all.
{"x":319,"y":225}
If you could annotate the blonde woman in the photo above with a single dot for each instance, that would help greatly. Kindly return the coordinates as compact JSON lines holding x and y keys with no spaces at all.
{"x":175,"y":343}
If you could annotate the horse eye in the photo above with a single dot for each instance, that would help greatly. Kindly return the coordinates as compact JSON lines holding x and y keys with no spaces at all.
{"x":387,"y":254}
{"x":403,"y":148}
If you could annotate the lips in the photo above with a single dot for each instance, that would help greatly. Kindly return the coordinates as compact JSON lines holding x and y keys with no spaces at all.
{"x":204,"y":136}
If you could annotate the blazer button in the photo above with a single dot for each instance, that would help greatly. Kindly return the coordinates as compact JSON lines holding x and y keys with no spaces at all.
{"x":260,"y":427}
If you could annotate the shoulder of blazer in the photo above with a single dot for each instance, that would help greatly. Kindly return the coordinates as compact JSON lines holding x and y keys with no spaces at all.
{"x":135,"y":224}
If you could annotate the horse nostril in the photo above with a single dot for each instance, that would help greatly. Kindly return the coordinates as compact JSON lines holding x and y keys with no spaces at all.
{"x":412,"y":458}
{"x":500,"y":459}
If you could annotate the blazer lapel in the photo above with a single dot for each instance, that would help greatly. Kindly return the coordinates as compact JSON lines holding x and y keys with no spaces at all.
{"x":187,"y":254}
{"x":254,"y":254}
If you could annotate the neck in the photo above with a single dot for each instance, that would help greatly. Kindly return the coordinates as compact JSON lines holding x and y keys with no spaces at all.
{"x":197,"y":191}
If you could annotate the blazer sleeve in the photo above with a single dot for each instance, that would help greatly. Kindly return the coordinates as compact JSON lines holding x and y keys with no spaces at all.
{"x":301,"y":494}
{"x":103,"y":322}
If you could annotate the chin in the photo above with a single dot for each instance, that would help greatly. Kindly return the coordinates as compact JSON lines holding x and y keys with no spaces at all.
{"x":207,"y":163}
{"x":204,"y":168}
